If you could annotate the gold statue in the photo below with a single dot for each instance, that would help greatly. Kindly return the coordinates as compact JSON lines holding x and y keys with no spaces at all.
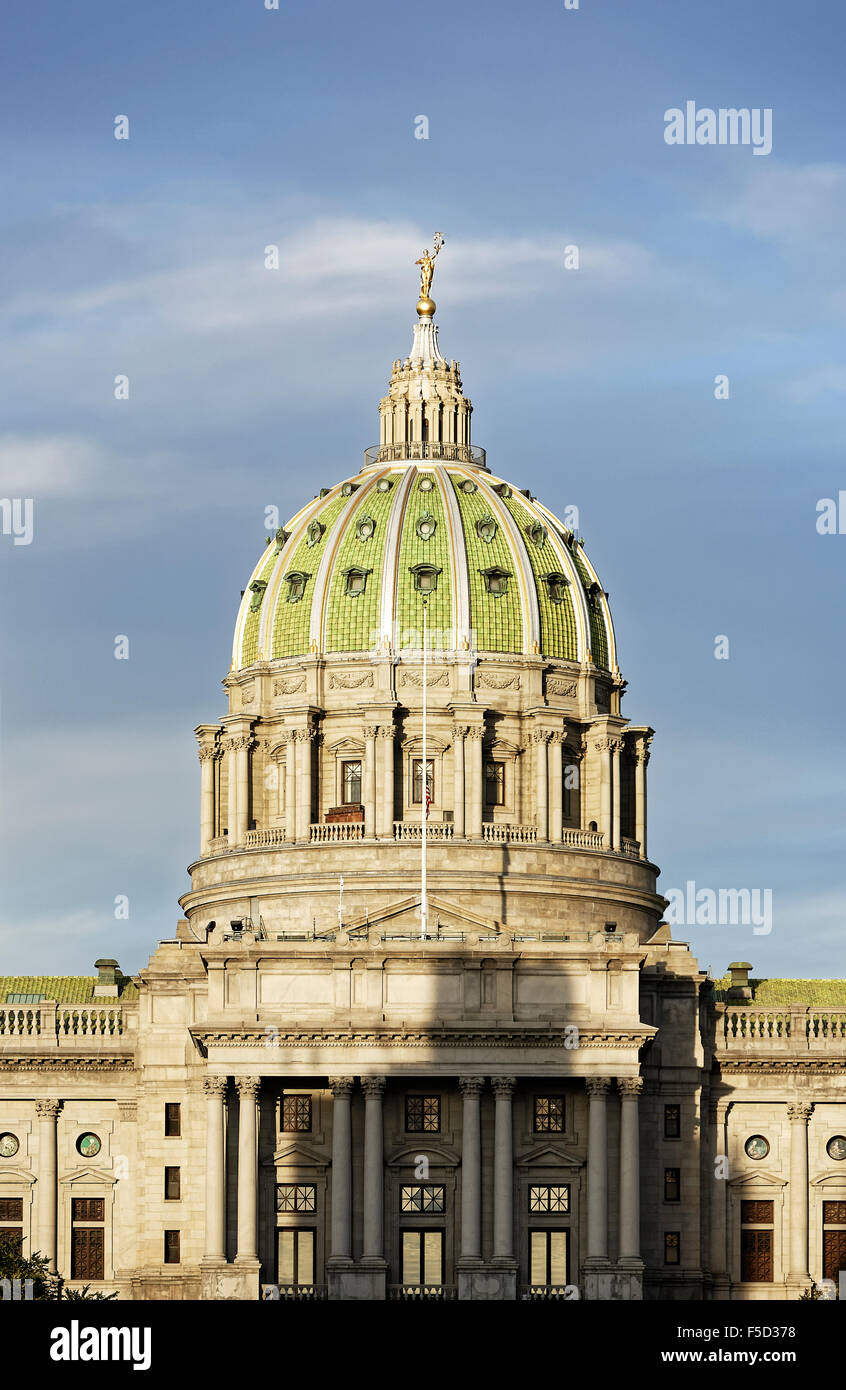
{"x":426,"y":305}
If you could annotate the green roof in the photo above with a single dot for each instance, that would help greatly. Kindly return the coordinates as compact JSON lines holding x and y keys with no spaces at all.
{"x":776,"y":994}
{"x":65,"y":989}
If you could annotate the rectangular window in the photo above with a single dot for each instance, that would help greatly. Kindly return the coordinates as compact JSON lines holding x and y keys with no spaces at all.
{"x":171,"y":1247}
{"x":428,"y":1197}
{"x":423,"y":1258}
{"x":173,"y":1120}
{"x":87,"y":1252}
{"x":834,"y":1213}
{"x":417,"y":780}
{"x":548,"y":1258}
{"x":292,"y":1196}
{"x":672,"y":1184}
{"x":173,"y":1184}
{"x":672,"y":1252}
{"x":549,"y":1197}
{"x":351,"y":783}
{"x":549,"y":1114}
{"x":423,"y":1114}
{"x":296,"y":1114}
{"x":11,"y":1208}
{"x":756,"y":1213}
{"x":672,"y":1121}
{"x":494,"y":784}
{"x":296,"y":1257}
{"x":88,"y":1209}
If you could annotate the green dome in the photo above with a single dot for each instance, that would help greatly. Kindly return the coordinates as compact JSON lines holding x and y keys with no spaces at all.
{"x":346,"y":573}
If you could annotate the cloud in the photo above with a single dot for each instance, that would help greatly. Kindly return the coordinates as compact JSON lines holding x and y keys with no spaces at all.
{"x":810,"y":385}
{"x":798,"y":208}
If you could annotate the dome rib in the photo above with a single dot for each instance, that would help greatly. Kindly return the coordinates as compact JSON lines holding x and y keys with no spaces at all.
{"x":390,"y":569}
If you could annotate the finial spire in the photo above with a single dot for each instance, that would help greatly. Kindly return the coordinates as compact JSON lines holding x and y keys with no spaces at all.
{"x":426,"y":305}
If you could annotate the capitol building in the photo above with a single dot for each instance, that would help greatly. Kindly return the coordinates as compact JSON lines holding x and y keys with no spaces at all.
{"x":422,"y":1031}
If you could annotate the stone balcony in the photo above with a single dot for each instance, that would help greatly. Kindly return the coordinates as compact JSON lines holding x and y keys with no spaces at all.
{"x":498,"y":832}
{"x":42,"y":1028}
{"x":794,"y":1029}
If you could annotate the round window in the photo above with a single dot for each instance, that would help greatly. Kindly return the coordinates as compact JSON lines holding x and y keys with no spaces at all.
{"x":88,"y":1145}
{"x":384,"y":485}
{"x":756,"y":1146}
{"x":835,"y":1148}
{"x":468,"y":485}
{"x":426,"y":485}
{"x":9,"y":1145}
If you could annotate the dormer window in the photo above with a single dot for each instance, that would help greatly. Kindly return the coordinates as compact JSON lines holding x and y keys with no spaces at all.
{"x":296,"y":581}
{"x":384,"y":485}
{"x":355,"y":580}
{"x":536,"y":533}
{"x":348,"y":489}
{"x":426,"y":484}
{"x":486,"y":529}
{"x":365,"y":528}
{"x":496,"y":580}
{"x":503,"y":489}
{"x":425,"y":578}
{"x":426,"y":526}
{"x":469,"y":486}
{"x":257,"y":589}
{"x":314,"y":535}
{"x":556,"y":584}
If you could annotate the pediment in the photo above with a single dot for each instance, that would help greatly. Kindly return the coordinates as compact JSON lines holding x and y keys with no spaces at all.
{"x":98,"y":1175}
{"x":16,"y":1175}
{"x":504,"y":748}
{"x":550,"y":1156}
{"x":450,"y":915}
{"x":347,"y":745}
{"x":411,"y":1154}
{"x":757,"y":1179}
{"x":415,"y":745}
{"x":297,"y":1155}
{"x":833,"y":1180}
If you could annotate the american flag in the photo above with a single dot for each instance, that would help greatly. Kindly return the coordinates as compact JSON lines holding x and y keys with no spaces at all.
{"x":428,"y":798}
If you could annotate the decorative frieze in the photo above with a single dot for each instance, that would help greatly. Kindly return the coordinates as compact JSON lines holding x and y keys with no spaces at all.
{"x":289,"y":685}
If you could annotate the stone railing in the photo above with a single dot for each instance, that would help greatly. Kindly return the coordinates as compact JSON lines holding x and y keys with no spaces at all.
{"x":502,"y":834}
{"x":582,"y":839}
{"x":273,"y":835}
{"x":49,"y":1024}
{"x":533,"y":1292}
{"x":218,"y":844}
{"x":630,"y":847}
{"x":792,"y":1028}
{"x":20,"y":1022}
{"x":409,"y":1292}
{"x":421,"y":449}
{"x":273,"y":1293}
{"x":413,"y":830}
{"x":337,"y":832}
{"x":89,"y":1021}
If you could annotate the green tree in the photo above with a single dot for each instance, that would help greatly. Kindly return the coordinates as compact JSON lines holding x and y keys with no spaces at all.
{"x":46,"y":1285}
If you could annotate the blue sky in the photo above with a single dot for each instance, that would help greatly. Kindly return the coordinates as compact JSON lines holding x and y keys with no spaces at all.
{"x":249,"y":388}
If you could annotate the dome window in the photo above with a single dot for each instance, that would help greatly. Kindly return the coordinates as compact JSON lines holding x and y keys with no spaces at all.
{"x":496,"y":580}
{"x":425,"y":578}
{"x":503,"y":489}
{"x":469,"y":486}
{"x":536,"y":533}
{"x":426,"y":526}
{"x":486,"y":529}
{"x":296,"y":582}
{"x":355,"y":580}
{"x":348,"y":489}
{"x":384,"y":485}
{"x":257,"y":589}
{"x":426,"y":484}
{"x":556,"y":584}
{"x":366,"y":528}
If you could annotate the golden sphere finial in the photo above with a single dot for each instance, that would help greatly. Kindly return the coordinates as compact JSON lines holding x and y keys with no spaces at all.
{"x":426,"y":307}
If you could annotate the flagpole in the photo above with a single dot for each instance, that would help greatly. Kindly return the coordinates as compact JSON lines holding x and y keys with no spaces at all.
{"x":424,"y":904}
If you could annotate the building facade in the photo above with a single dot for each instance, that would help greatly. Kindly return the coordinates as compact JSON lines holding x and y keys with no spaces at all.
{"x":497,"y":1076}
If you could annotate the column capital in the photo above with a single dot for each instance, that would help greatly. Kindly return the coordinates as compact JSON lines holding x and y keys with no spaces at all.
{"x":216,"y":1085}
{"x":387,"y":731}
{"x":208,"y":752}
{"x":460,"y":730}
{"x":799,"y":1112}
{"x":603,"y":745}
{"x":471,"y":1085}
{"x":248,"y":1085}
{"x":541,"y":735}
{"x":370,"y":731}
{"x":48,"y":1109}
{"x":373,"y":1085}
{"x":557,"y":738}
{"x":341,"y":1085}
{"x":597,"y":1086}
{"x":503,"y":1086}
{"x":630,"y":1087}
{"x":475,"y":731}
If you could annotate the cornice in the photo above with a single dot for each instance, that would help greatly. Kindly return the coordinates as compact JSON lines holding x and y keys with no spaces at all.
{"x":424,"y":1037}
{"x":75,"y":1064}
{"x":794,"y":1066}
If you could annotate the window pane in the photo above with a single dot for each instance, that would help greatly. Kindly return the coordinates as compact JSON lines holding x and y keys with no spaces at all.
{"x":558,"y":1257}
{"x":756,"y":1213}
{"x":537,"y":1260}
{"x":305,"y":1257}
{"x":286,"y":1257}
{"x":172,"y":1120}
{"x":672,"y":1121}
{"x":296,"y":1113}
{"x":432,"y":1264}
{"x":423,"y":1114}
{"x":549,"y":1114}
{"x":11,"y":1208}
{"x":494,"y":783}
{"x":417,"y":779}
{"x":411,"y":1257}
{"x":172,"y":1185}
{"x":352,"y":783}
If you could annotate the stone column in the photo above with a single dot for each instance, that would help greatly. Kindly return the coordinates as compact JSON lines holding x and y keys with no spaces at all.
{"x":503,"y":1246}
{"x":459,"y":733}
{"x":370,"y":732}
{"x":304,"y":738}
{"x":597,"y":1194}
{"x":556,"y":787}
{"x":630,"y":1089}
{"x":718,"y":1186}
{"x":603,"y":748}
{"x":642,"y":754}
{"x":215,"y":1088}
{"x":208,"y":753}
{"x":540,"y":738}
{"x":616,"y":745}
{"x":799,"y":1114}
{"x":385,"y":818}
{"x":47,"y":1188}
{"x":229,"y":745}
{"x":341,"y":1088}
{"x":242,"y":754}
{"x":471,"y":1168}
{"x":473,"y":783}
{"x":374,"y":1170}
{"x":290,"y":786}
{"x":248,"y":1089}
